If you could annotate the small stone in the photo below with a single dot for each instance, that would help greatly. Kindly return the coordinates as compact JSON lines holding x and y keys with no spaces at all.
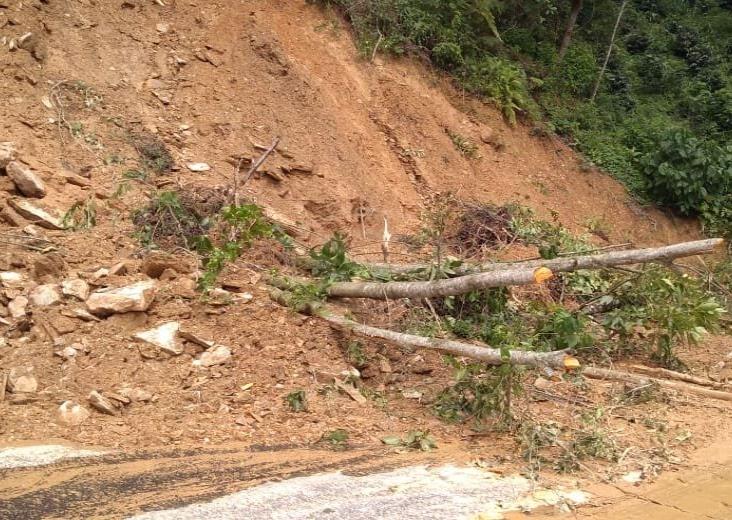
{"x":102,"y":404}
{"x":198,"y":167}
{"x":27,"y":182}
{"x":17,"y":307}
{"x":22,"y":381}
{"x":131,"y":298}
{"x":164,"y":336}
{"x":7,"y":153}
{"x":35,"y":214}
{"x":412,"y":394}
{"x":136,"y":395}
{"x":67,"y":353}
{"x":82,"y":314}
{"x":44,"y":295}
{"x":75,"y":287}
{"x":162,"y":27}
{"x":216,"y":356}
{"x":71,"y":413}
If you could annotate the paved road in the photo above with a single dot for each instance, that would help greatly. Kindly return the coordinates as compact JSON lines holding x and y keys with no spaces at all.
{"x":277,"y":484}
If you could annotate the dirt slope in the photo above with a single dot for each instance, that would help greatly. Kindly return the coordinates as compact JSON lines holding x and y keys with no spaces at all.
{"x":374,"y":132}
{"x":211,"y":80}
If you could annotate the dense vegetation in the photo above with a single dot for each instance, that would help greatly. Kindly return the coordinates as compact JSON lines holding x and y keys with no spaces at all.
{"x":658,"y":116}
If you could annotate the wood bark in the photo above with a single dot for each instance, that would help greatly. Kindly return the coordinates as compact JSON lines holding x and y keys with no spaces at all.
{"x":515,"y":274}
{"x":662,"y":254}
{"x":679,"y":376}
{"x":614,"y":375}
{"x":569,"y":29}
{"x":609,"y":52}
{"x":483,"y":353}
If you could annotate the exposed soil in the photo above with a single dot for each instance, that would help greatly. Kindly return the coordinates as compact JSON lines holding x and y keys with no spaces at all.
{"x":361,"y":142}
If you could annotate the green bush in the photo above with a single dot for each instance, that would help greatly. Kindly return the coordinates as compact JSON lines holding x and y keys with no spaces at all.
{"x":687,"y":173}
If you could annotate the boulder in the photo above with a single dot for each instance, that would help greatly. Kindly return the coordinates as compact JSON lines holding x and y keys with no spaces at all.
{"x":7,"y":154}
{"x":27,"y":182}
{"x":22,"y":380}
{"x":131,"y":298}
{"x":35,"y":214}
{"x":164,"y":336}
{"x":75,"y":287}
{"x":71,"y":413}
{"x":44,"y":295}
{"x":216,"y":356}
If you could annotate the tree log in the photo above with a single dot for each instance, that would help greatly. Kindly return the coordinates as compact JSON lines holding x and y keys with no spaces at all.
{"x":612,"y":259}
{"x":516,"y":274}
{"x":678,"y":376}
{"x":614,"y":375}
{"x":483,"y":353}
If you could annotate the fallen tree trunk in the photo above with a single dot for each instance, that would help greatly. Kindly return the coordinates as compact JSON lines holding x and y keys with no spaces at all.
{"x":626,"y":377}
{"x":629,"y":256}
{"x":481,"y":353}
{"x":433,"y":289}
{"x":678,"y":376}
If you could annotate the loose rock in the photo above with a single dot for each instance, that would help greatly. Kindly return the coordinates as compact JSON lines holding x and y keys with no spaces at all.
{"x":35,"y":214}
{"x":44,"y":295}
{"x":216,"y":356}
{"x":27,"y":182}
{"x":71,"y":413}
{"x":75,"y":287}
{"x":22,"y":381}
{"x":131,"y":298}
{"x":198,"y":167}
{"x":136,"y":395}
{"x":164,"y":336}
{"x":17,"y":306}
{"x":102,"y":404}
{"x":12,"y":279}
{"x":7,"y":153}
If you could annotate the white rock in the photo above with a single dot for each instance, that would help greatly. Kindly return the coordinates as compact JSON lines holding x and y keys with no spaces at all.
{"x":75,"y":287}
{"x":216,"y":356}
{"x":11,"y":279}
{"x":17,"y":306}
{"x":27,"y":182}
{"x":163,"y":336}
{"x":7,"y":153}
{"x":22,"y":380}
{"x":198,"y":167}
{"x":71,"y":413}
{"x":131,"y":298}
{"x":44,"y":295}
{"x":35,"y":214}
{"x":67,"y":353}
{"x":162,"y":27}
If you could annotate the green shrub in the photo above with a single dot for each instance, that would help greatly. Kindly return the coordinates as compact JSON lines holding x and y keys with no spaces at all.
{"x":686,"y":172}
